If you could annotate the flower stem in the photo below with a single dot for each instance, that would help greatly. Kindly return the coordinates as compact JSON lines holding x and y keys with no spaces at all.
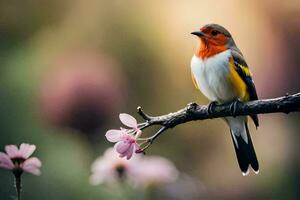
{"x":18,"y":183}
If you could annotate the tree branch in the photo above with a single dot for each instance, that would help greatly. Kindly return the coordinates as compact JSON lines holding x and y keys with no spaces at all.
{"x":193,"y":111}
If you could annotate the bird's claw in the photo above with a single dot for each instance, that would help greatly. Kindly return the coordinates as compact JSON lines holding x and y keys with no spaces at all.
{"x":210,"y":107}
{"x":233,"y":107}
{"x":192,"y":105}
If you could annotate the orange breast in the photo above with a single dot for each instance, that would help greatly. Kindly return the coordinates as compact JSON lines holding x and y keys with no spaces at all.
{"x":207,"y":50}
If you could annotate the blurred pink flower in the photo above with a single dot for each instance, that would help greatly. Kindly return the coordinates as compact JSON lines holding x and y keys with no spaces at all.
{"x":18,"y":159}
{"x":82,"y":90}
{"x":126,"y":139}
{"x":155,"y":170}
{"x":110,"y":168}
{"x":140,"y":171}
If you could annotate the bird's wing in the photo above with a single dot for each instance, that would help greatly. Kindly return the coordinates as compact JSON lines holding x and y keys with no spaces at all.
{"x":243,"y":71}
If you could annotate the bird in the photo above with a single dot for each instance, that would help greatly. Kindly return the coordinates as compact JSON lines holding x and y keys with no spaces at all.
{"x":221,"y":73}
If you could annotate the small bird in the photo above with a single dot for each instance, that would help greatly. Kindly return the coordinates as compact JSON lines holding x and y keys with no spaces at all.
{"x":221,"y":73}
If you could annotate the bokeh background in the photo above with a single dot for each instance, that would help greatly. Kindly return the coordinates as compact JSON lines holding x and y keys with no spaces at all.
{"x":69,"y":67}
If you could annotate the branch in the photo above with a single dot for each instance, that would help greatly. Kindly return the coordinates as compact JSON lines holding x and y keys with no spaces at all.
{"x":193,"y":111}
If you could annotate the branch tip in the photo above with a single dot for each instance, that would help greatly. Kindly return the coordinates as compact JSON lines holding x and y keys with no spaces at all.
{"x":142,"y":114}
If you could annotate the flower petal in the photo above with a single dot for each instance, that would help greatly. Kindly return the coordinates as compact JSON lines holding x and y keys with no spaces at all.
{"x":32,"y":165}
{"x":27,"y":150}
{"x":5,"y":161}
{"x":34,"y":161}
{"x":114,"y":135}
{"x":129,"y":152}
{"x":12,"y":151}
{"x":122,"y":147}
{"x":137,"y":147}
{"x":128,"y":120}
{"x":96,"y":179}
{"x":33,"y":170}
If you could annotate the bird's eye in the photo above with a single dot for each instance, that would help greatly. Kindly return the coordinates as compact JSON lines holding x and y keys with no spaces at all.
{"x":214,"y":32}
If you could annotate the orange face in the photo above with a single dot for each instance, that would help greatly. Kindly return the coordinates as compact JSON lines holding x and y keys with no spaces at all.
{"x":213,"y":37}
{"x":213,"y":42}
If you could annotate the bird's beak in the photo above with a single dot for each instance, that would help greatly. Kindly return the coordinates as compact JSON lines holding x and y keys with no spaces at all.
{"x":198,"y":33}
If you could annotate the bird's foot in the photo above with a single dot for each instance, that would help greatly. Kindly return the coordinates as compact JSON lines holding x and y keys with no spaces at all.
{"x":233,"y":107}
{"x":210,"y":107}
{"x":192,"y":105}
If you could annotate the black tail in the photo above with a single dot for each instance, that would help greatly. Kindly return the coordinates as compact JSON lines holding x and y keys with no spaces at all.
{"x":245,"y":152}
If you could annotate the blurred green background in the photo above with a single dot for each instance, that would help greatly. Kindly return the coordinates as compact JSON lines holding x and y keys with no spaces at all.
{"x":69,"y":67}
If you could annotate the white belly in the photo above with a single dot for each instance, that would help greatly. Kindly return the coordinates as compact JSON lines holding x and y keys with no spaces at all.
{"x":212,"y":77}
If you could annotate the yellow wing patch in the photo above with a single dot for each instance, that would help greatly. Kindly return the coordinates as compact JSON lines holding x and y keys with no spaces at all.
{"x":237,"y":82}
{"x":244,"y":69}
{"x":194,"y":81}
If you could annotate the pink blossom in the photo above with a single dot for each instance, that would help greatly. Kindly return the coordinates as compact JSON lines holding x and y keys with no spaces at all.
{"x":18,"y":159}
{"x":110,"y":168}
{"x":155,"y":170}
{"x":126,"y":144}
{"x":125,"y":139}
{"x":140,"y":171}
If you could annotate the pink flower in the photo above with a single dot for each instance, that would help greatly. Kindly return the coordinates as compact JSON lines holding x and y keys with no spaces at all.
{"x":140,"y":171}
{"x":155,"y":170}
{"x":126,"y":144}
{"x":125,"y":139}
{"x":110,"y":168}
{"x":18,"y":159}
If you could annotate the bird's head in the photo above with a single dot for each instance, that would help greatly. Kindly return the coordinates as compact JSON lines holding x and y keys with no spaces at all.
{"x":214,"y":39}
